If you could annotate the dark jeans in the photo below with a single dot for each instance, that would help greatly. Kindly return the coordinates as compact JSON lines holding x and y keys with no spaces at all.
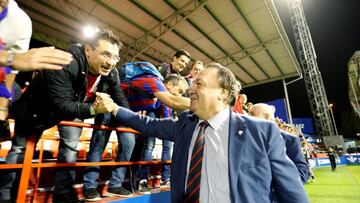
{"x":333,"y":163}
{"x":98,"y":144}
{"x":149,"y":144}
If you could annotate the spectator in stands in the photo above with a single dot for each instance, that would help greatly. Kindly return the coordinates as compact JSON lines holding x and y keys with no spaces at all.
{"x":66,"y":94}
{"x":292,"y":142}
{"x":148,"y":93}
{"x":148,"y":87}
{"x":196,"y":68}
{"x":241,"y":100}
{"x":238,"y":106}
{"x":234,"y":164}
{"x":331,"y":153}
{"x":15,"y":34}
{"x":98,"y":143}
{"x":175,"y":85}
{"x":180,"y":60}
{"x":248,"y":105}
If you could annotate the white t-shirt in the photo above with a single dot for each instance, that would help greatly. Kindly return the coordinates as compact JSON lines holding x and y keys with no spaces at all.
{"x":16,"y":29}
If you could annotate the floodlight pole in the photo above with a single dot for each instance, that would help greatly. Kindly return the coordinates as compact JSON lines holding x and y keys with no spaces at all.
{"x":312,"y":76}
{"x":332,"y":116}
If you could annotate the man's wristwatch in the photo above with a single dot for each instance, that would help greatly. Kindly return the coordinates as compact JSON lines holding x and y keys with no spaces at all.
{"x":10,"y":58}
{"x":92,"y":111}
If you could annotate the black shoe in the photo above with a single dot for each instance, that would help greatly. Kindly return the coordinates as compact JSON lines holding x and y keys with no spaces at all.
{"x":143,"y":187}
{"x":4,"y":132}
{"x":69,"y":197}
{"x":118,"y":191}
{"x":91,"y":195}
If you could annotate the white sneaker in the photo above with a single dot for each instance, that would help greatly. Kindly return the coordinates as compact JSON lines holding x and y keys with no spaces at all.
{"x":143,"y":188}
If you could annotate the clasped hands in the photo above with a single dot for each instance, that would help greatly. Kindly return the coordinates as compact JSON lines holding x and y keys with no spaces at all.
{"x":104,"y":104}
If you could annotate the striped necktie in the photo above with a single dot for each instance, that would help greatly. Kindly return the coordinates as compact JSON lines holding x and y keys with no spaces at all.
{"x":194,"y":177}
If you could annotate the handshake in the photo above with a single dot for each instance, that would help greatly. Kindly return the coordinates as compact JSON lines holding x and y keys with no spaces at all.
{"x":104,"y":104}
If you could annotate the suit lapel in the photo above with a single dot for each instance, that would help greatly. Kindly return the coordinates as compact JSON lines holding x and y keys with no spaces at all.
{"x":237,"y":131}
{"x":184,"y":144}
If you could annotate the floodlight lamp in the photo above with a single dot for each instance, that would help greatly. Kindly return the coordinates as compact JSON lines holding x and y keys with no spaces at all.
{"x":89,"y":31}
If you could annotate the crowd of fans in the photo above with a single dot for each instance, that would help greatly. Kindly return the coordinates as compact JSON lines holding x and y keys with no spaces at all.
{"x":85,"y":83}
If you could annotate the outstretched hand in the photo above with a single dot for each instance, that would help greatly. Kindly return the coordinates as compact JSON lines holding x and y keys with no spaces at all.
{"x":41,"y":58}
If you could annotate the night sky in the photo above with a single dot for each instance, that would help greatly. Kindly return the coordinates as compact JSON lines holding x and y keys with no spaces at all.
{"x":334,"y":27}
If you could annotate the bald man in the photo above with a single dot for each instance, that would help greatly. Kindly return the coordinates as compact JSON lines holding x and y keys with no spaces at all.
{"x":292,"y":142}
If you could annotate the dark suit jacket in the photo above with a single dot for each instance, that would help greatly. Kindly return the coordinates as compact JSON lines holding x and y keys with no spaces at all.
{"x":257,"y":159}
{"x":294,"y":152}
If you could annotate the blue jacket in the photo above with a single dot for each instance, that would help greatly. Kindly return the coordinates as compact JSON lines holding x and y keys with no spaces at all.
{"x":257,"y":159}
{"x":294,"y":152}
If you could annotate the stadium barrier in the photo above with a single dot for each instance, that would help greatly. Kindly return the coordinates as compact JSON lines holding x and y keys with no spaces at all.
{"x":28,"y":163}
{"x":348,"y":159}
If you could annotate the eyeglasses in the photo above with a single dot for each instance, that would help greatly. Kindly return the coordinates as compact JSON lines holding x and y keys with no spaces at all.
{"x":108,"y":56}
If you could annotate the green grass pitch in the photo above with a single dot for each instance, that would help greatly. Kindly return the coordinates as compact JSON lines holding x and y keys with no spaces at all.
{"x":341,"y":186}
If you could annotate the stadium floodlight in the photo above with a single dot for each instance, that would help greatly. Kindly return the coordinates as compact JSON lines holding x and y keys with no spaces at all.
{"x":89,"y":31}
{"x":333,"y":119}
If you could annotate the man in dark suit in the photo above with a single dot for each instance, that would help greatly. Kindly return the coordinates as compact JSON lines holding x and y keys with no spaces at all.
{"x":292,"y":142}
{"x":242,"y":158}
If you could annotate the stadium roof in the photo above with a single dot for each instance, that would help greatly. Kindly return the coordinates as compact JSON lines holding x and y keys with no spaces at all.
{"x":246,"y":36}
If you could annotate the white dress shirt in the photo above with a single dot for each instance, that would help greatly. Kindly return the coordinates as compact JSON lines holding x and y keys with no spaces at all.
{"x":214,"y":186}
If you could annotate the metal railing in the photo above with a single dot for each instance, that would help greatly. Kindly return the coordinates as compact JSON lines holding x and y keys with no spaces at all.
{"x":28,"y":164}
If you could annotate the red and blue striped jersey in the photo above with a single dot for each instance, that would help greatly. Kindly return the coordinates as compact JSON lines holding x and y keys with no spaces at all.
{"x":146,"y":101}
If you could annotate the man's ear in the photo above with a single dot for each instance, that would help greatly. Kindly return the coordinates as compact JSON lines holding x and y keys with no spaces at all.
{"x":87,"y":49}
{"x":224,"y":94}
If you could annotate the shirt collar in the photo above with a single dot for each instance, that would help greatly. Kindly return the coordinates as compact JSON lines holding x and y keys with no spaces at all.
{"x":218,"y":119}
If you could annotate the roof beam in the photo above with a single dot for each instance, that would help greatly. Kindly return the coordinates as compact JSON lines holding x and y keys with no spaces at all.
{"x":49,"y":17}
{"x":165,"y":26}
{"x":50,"y":40}
{"x":239,"y":55}
{"x":78,"y":15}
{"x":256,"y":35}
{"x":58,"y":31}
{"x":135,"y":2}
{"x":150,"y":51}
{"x":213,"y":42}
{"x":236,"y":41}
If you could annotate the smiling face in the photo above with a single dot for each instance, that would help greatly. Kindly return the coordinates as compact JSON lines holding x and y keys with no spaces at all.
{"x":102,"y":58}
{"x":207,"y":97}
{"x":178,"y":64}
{"x":196,"y":69}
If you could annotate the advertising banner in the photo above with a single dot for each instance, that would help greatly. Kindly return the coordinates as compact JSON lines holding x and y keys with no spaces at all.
{"x":346,"y":159}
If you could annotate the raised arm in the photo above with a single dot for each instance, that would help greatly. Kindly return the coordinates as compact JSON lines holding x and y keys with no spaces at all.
{"x":35,"y":59}
{"x":175,"y":102}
